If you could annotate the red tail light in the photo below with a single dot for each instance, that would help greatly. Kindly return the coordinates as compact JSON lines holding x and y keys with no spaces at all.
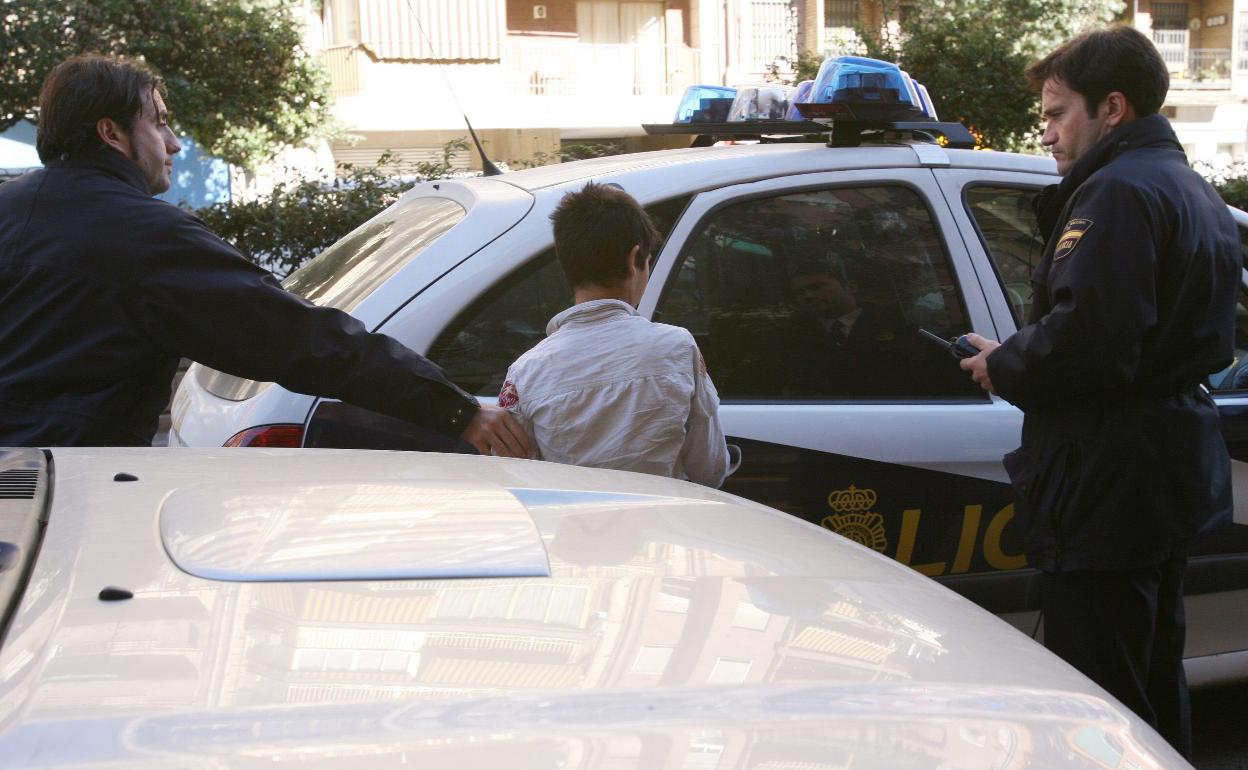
{"x":286,"y":436}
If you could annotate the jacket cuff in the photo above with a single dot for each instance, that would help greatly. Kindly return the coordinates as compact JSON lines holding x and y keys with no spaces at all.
{"x":452,"y":410}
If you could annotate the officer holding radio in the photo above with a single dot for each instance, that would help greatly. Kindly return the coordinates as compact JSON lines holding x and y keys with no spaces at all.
{"x":1122,"y":464}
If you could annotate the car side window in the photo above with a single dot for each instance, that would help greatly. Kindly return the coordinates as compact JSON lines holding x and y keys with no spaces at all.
{"x":479,"y":345}
{"x":483,"y":340}
{"x":819,"y":295}
{"x":1010,"y":232}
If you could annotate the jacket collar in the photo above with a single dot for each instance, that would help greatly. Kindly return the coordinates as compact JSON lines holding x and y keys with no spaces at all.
{"x":1152,"y":131}
{"x":590,"y":312}
{"x":109,"y":161}
{"x":1149,"y":131}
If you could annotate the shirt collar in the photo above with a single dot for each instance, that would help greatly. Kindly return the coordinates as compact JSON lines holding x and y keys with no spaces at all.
{"x":589,"y":312}
{"x":109,"y":161}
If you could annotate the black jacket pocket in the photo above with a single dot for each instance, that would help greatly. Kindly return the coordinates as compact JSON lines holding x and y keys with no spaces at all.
{"x":1045,"y":484}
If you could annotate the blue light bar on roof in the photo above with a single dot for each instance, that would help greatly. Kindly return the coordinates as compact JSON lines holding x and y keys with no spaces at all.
{"x":858,"y":79}
{"x":705,"y":104}
{"x":800,"y":94}
{"x":760,"y":103}
{"x":861,"y":90}
{"x":926,"y":98}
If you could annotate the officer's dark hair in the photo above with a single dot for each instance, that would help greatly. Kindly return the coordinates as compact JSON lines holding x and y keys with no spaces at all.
{"x":1097,"y":63}
{"x":80,"y":91}
{"x":595,"y":229}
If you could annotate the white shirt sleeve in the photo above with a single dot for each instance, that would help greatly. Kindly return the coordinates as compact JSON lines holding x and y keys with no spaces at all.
{"x":704,"y":455}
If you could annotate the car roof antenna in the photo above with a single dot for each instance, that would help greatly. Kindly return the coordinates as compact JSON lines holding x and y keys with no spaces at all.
{"x":487,"y":166}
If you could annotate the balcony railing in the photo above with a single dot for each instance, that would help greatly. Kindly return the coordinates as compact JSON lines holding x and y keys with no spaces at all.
{"x":584,"y":69}
{"x":1203,"y":68}
{"x":1172,"y":45}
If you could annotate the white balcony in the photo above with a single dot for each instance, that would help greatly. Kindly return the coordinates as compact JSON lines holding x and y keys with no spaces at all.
{"x":575,"y":69}
{"x":1202,"y":68}
{"x":536,"y":83}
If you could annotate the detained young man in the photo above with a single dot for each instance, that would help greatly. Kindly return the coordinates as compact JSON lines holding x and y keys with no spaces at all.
{"x":608,"y":388}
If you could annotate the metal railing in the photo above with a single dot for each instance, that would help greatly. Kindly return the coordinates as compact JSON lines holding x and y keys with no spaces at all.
{"x":584,"y":69}
{"x":1172,"y":45}
{"x":1204,"y":68}
{"x":1242,"y":65}
{"x":773,"y":32}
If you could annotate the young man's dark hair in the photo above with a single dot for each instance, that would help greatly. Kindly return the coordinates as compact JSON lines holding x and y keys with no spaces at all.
{"x":80,"y":91}
{"x":1099,"y":62}
{"x":595,"y":229}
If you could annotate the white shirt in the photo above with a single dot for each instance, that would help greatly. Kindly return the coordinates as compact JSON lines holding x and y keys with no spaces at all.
{"x":610,"y":389}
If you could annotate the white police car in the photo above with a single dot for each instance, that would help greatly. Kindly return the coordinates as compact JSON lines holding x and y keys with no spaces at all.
{"x":879,"y":436}
{"x":326,"y":609}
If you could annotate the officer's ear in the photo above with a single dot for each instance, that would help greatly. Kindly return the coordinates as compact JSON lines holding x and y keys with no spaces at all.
{"x":1118,"y":109}
{"x":112,"y":134}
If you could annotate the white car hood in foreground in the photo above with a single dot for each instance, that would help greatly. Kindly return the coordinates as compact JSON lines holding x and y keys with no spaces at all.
{"x":668,"y":625}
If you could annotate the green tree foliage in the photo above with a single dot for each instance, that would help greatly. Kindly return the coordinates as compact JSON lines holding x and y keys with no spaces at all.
{"x":1231,"y":182}
{"x":971,"y":55}
{"x":299,"y":218}
{"x":807,"y":66}
{"x":240,"y":82}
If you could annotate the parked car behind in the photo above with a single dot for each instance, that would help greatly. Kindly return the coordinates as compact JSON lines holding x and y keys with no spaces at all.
{"x":322,"y":609}
{"x":884,"y":440}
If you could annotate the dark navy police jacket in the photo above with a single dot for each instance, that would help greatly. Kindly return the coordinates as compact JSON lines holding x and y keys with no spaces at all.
{"x":1122,"y":463}
{"x":103,"y":288}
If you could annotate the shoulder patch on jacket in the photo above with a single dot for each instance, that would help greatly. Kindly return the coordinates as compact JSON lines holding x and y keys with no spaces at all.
{"x":509,"y":398}
{"x":1071,"y":235}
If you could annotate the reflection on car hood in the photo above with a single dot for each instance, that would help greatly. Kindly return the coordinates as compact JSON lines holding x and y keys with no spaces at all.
{"x":677,"y":626}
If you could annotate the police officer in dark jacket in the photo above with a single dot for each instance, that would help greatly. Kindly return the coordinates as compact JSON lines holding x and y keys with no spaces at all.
{"x":1122,"y":464}
{"x":103,"y":288}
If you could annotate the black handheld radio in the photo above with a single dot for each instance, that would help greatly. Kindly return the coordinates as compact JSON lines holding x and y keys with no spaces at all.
{"x":958,"y":347}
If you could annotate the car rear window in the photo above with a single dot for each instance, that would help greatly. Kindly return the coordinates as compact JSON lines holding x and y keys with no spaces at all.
{"x":351,"y":269}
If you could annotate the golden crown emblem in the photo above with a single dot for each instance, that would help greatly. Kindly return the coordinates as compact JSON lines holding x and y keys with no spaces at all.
{"x":852,"y":499}
{"x":863,"y":528}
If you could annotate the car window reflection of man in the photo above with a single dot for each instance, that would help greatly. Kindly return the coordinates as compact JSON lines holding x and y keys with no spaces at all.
{"x":843,"y":346}
{"x":828,"y":300}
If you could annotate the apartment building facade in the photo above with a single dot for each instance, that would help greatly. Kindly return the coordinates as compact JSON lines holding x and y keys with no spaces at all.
{"x":532,"y":74}
{"x":1205,"y":45}
{"x":535,"y":75}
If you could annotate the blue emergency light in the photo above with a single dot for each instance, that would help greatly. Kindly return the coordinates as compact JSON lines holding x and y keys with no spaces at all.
{"x":705,"y":104}
{"x":928,"y":107}
{"x":856,"y":88}
{"x":800,"y":94}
